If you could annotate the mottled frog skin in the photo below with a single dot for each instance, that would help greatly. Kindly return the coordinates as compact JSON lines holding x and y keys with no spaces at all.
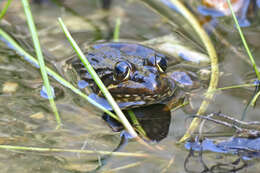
{"x":134,"y":74}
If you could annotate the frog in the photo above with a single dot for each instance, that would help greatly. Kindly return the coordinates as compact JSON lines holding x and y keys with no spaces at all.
{"x":137,"y":77}
{"x":134,"y":74}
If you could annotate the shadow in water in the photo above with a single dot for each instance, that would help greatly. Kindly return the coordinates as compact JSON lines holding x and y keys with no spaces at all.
{"x":245,"y":144}
{"x":154,"y":119}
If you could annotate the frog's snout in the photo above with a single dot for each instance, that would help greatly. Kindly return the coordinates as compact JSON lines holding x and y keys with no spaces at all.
{"x":154,"y":83}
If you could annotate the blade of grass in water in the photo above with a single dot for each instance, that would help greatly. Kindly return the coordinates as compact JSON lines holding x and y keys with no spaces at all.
{"x":234,"y":86}
{"x":117,"y":30}
{"x":4,"y":10}
{"x":244,"y":40}
{"x":57,"y":77}
{"x":136,"y":123}
{"x":37,"y":47}
{"x":130,"y":112}
{"x":207,"y":44}
{"x":214,"y":64}
{"x":256,"y":95}
{"x":97,"y":80}
{"x":125,"y":154}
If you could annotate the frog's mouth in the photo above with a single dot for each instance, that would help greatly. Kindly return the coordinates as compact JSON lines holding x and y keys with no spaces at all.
{"x":133,"y":94}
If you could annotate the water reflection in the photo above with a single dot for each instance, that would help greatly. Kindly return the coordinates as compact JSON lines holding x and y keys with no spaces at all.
{"x":245,"y":147}
{"x":217,"y":167}
{"x":245,"y":144}
{"x":154,"y":119}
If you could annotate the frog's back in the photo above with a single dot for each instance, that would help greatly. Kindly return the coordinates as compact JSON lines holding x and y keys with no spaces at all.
{"x":104,"y":56}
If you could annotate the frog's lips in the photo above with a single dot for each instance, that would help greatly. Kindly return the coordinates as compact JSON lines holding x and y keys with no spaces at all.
{"x":148,"y":93}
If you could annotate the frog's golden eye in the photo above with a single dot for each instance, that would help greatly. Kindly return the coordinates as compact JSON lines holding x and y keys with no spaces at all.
{"x":157,"y":61}
{"x":161,"y":63}
{"x":122,"y":71}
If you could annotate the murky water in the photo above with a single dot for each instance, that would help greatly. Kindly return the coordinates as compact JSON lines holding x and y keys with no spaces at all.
{"x":27,"y":120}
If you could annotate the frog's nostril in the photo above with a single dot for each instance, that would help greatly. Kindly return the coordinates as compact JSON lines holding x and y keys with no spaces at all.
{"x":153,"y":70}
{"x":153,"y":82}
{"x":138,"y":77}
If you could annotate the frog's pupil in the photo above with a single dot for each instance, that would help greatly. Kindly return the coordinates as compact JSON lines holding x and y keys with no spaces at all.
{"x":121,"y":70}
{"x":161,"y":62}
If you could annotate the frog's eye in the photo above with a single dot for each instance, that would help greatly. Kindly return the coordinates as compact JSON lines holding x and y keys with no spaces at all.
{"x":161,"y":63}
{"x":157,"y":61}
{"x":122,"y":70}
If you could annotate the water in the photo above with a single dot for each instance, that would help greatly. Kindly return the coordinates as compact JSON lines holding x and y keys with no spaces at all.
{"x":26,"y":118}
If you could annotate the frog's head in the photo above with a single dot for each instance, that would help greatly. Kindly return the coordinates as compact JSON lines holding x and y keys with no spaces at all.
{"x":141,"y":84}
{"x":134,"y":74}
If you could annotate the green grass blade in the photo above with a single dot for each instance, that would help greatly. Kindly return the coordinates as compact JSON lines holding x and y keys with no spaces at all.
{"x":252,"y":101}
{"x":244,"y":40}
{"x":117,"y":30}
{"x":37,"y":47}
{"x":97,"y":80}
{"x":233,"y":87}
{"x":2,"y":14}
{"x":213,"y":60}
{"x":57,"y":77}
{"x":24,"y":148}
{"x":130,"y":112}
{"x":136,"y":123}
